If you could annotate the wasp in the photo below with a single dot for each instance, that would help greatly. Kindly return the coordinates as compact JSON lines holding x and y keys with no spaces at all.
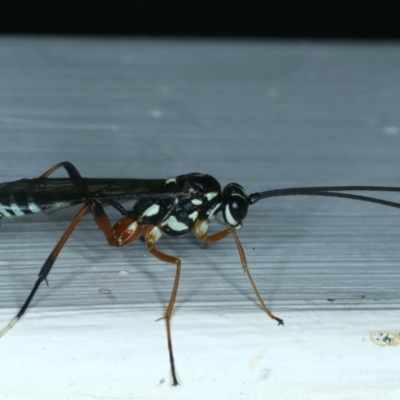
{"x":174,"y":207}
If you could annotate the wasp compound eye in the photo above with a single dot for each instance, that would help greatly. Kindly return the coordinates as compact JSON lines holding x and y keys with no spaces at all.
{"x":235,"y":205}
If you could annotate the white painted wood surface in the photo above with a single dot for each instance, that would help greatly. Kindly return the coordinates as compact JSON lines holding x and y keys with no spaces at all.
{"x":263,"y":114}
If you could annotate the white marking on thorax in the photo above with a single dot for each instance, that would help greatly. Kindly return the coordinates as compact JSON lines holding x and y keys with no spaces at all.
{"x":174,"y":224}
{"x":152,"y":210}
{"x":4,"y":212}
{"x":196,"y":202}
{"x":211,"y":195}
{"x":193,"y":216}
{"x":170,"y":180}
{"x":14,"y":206}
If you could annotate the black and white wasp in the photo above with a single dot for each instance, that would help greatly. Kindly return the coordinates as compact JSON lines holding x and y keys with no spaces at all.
{"x":174,"y":206}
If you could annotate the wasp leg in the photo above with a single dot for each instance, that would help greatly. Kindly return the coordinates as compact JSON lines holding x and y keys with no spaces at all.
{"x":200,"y":230}
{"x":45,"y":270}
{"x":118,"y":207}
{"x":125,"y":231}
{"x":70,"y":168}
{"x":151,"y":235}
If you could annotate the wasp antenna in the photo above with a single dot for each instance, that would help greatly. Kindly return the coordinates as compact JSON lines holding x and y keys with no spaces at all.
{"x":330,"y":191}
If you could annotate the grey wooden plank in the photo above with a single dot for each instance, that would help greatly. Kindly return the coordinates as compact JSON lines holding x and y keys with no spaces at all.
{"x":263,"y":114}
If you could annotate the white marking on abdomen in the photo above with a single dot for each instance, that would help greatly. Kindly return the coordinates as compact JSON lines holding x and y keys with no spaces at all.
{"x":174,"y":224}
{"x":14,"y":206}
{"x":4,"y":212}
{"x":62,"y":204}
{"x":32,"y":206}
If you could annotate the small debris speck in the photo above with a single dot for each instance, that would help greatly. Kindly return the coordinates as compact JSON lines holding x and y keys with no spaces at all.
{"x":391,"y":130}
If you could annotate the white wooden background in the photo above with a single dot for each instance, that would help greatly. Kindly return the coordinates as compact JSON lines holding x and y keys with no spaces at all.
{"x":263,"y":114}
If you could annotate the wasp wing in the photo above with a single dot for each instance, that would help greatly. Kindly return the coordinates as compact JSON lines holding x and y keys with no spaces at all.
{"x":53,"y":194}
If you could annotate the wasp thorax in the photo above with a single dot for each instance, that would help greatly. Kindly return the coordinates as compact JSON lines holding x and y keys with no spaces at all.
{"x":235,"y":205}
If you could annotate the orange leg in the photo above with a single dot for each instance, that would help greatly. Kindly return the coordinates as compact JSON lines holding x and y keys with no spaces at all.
{"x":45,"y":270}
{"x":125,"y":231}
{"x":151,"y":235}
{"x":70,"y":168}
{"x":200,"y":230}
